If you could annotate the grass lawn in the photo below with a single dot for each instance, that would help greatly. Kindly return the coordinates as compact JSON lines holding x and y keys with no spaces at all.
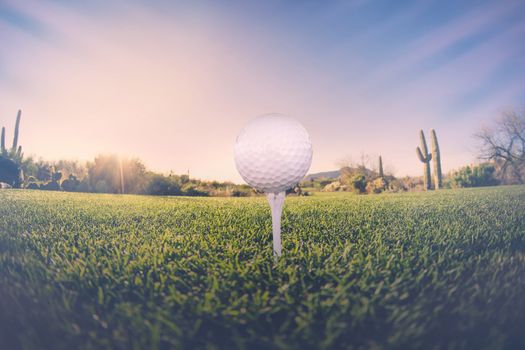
{"x":437,"y":269}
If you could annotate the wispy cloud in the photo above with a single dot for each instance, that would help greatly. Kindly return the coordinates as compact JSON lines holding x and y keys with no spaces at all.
{"x":172,"y":83}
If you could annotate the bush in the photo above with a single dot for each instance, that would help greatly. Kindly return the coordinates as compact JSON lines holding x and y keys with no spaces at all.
{"x":474,"y":176}
{"x":70,"y":184}
{"x":241,"y":193}
{"x":32,"y":186}
{"x":358,"y":183}
{"x":376,"y":186}
{"x":84,"y":185}
{"x":396,"y":185}
{"x":190,"y":189}
{"x":50,"y":186}
{"x":334,"y":187}
{"x":160,"y":185}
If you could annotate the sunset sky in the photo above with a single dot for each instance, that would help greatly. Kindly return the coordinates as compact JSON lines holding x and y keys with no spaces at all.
{"x":173,"y":82}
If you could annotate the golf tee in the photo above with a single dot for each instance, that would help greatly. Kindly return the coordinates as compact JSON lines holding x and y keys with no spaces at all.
{"x":276,"y":201}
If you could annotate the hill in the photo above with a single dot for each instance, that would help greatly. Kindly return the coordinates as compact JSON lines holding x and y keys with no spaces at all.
{"x":334,"y":174}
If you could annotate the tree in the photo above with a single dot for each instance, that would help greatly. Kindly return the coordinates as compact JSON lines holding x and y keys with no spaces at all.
{"x":71,"y":167}
{"x":504,"y":144}
{"x":112,"y":174}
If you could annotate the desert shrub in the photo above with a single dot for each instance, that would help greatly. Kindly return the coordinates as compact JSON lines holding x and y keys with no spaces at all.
{"x":334,"y":187}
{"x":160,"y":185}
{"x":376,"y":186}
{"x":396,"y":185}
{"x":56,"y":176}
{"x":191,"y":189}
{"x":50,"y":186}
{"x":70,"y":184}
{"x":32,"y":186}
{"x":474,"y":176}
{"x":358,"y":183}
{"x":413,"y":183}
{"x":325,"y":182}
{"x":241,"y":193}
{"x":84,"y":185}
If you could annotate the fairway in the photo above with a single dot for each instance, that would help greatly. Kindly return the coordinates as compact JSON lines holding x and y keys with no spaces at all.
{"x":413,"y":270}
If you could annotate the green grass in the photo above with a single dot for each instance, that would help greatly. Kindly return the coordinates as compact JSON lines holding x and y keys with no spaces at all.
{"x":440,"y":269}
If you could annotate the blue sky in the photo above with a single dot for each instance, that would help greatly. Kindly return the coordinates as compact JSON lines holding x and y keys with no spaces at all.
{"x":173,"y":82}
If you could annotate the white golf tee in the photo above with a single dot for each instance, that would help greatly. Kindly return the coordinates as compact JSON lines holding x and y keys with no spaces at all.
{"x":276,"y":201}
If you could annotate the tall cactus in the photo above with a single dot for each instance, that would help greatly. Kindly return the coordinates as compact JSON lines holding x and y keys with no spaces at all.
{"x":3,"y":151}
{"x":15,"y":153}
{"x":381,"y":173}
{"x":425,"y":158}
{"x":436,"y":155}
{"x":17,"y":129}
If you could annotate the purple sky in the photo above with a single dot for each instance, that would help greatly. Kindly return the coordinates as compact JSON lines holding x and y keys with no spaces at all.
{"x":173,"y":83}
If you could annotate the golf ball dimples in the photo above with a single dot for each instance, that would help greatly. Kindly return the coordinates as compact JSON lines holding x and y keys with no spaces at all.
{"x":273,"y":153}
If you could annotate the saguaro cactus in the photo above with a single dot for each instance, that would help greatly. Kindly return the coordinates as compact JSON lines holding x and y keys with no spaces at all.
{"x":3,"y":151}
{"x":15,"y":153}
{"x":381,"y":174}
{"x":436,"y":155}
{"x":17,"y":129}
{"x":425,"y":158}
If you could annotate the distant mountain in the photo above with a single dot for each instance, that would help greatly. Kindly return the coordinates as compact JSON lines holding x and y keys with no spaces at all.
{"x":336,"y":173}
{"x":324,"y":174}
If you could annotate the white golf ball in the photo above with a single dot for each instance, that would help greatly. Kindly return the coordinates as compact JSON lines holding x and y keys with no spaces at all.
{"x":273,"y":153}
